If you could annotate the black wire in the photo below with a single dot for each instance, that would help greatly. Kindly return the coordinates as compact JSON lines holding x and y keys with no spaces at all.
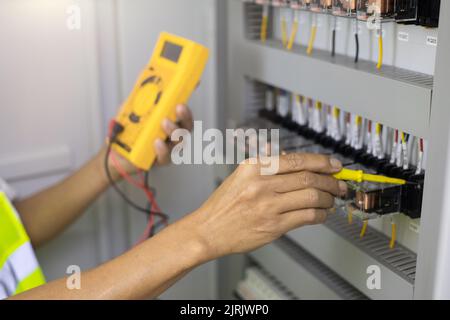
{"x":120,"y":192}
{"x":153,"y":191}
{"x":356,"y":43}
{"x":164,"y":217}
{"x":333,"y":43}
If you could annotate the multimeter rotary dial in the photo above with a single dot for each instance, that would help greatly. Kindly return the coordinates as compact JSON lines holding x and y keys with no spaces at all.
{"x":147,"y":98}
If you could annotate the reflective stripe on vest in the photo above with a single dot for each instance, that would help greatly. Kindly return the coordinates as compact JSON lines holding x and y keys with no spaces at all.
{"x":19,"y":269}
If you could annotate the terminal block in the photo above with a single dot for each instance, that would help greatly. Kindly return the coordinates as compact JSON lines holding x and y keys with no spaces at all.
{"x":344,"y":8}
{"x":301,"y":4}
{"x":379,"y":9}
{"x":321,"y":5}
{"x":280,"y":3}
{"x":366,"y":200}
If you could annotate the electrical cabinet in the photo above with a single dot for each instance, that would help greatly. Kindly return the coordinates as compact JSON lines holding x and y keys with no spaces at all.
{"x":391,"y":95}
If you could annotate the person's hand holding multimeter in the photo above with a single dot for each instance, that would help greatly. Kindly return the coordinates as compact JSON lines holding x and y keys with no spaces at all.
{"x":163,"y":148}
{"x":148,"y":115}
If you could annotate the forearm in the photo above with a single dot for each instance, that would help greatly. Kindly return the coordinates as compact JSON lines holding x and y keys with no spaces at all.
{"x":49,"y":212}
{"x":144,"y":272}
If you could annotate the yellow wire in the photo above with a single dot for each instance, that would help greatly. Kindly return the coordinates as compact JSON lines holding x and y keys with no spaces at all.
{"x":263,"y":35}
{"x":312,"y":39}
{"x":293,"y":35}
{"x":336,"y":112}
{"x":350,"y":216}
{"x":284,"y":37}
{"x":403,"y":138}
{"x":378,"y":129}
{"x":380,"y":50}
{"x":364,"y":229}
{"x":393,"y":235}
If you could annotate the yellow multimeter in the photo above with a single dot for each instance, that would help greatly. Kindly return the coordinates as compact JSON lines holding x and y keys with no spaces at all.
{"x":173,"y":73}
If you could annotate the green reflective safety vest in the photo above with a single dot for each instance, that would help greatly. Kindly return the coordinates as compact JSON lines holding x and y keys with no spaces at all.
{"x":19,"y":269}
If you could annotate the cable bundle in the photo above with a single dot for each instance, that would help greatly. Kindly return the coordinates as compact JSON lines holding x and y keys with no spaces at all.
{"x":152,"y":208}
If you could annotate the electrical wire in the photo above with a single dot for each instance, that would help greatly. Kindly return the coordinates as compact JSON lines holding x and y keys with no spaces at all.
{"x":312,"y":37}
{"x":399,"y":157}
{"x":121,"y":171}
{"x":356,"y":41}
{"x":394,"y":146}
{"x":370,"y":147}
{"x":318,"y":123}
{"x":144,"y":186}
{"x":148,"y":230}
{"x":329,"y":119}
{"x":116,"y":188}
{"x":405,"y":139}
{"x":294,"y":31}
{"x":378,"y":146}
{"x":336,"y":131}
{"x":356,"y":133}
{"x":364,"y":229}
{"x":284,"y":36}
{"x":393,"y":234}
{"x":302,"y":117}
{"x":348,"y":134}
{"x":350,"y":216}
{"x":264,"y":23}
{"x":420,"y":156}
{"x":380,"y":48}
{"x":333,"y":38}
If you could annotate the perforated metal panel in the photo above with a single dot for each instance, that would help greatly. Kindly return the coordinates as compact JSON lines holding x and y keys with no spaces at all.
{"x":321,"y":271}
{"x":400,"y":260}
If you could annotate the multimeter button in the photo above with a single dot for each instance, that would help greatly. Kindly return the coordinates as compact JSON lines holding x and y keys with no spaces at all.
{"x":158,"y":97}
{"x":134,"y":118}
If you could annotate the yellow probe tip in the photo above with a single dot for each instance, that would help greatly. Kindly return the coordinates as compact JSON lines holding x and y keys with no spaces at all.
{"x":360,"y":176}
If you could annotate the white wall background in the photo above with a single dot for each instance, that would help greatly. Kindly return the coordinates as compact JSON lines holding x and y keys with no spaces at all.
{"x":59,"y":87}
{"x":180,"y":190}
{"x":49,"y":115}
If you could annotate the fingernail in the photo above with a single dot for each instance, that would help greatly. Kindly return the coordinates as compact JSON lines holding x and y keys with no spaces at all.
{"x":159,"y":144}
{"x":166,"y":124}
{"x":343,"y":187}
{"x":181,"y":109}
{"x":336,"y":164}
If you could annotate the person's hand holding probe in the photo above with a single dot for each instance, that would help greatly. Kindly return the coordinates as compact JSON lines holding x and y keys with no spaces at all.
{"x":250,"y":210}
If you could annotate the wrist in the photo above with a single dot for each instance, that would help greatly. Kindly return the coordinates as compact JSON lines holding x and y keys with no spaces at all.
{"x":203,"y":236}
{"x":195,"y":245}
{"x":100,"y":159}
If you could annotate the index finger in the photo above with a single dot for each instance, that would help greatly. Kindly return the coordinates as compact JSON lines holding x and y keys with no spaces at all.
{"x":318,"y":163}
{"x":184,"y":116}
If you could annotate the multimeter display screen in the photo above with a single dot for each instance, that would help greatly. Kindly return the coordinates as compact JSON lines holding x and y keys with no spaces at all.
{"x":171,"y":51}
